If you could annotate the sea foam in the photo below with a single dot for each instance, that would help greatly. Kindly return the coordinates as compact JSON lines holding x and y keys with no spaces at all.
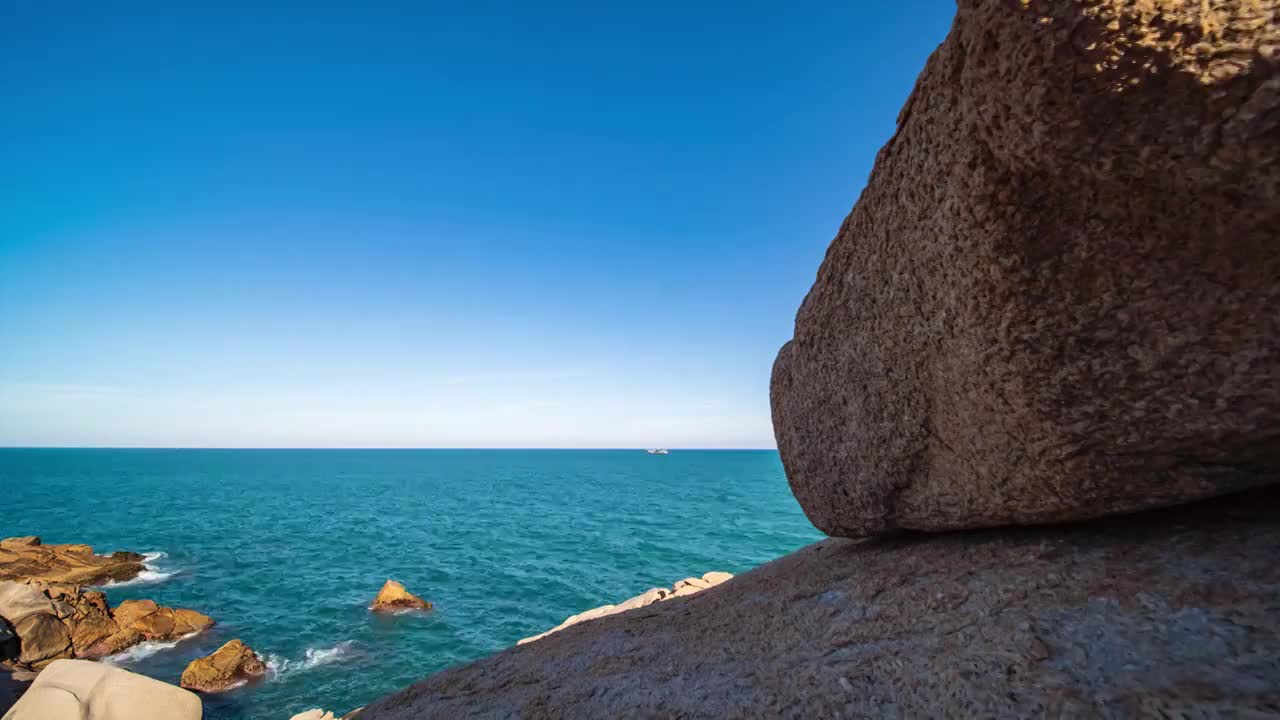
{"x":151,"y":575}
{"x":144,"y":650}
{"x":312,"y":658}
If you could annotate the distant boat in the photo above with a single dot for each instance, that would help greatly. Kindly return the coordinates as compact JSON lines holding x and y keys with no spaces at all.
{"x":658,"y":451}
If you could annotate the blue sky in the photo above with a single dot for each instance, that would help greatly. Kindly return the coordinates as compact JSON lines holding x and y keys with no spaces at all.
{"x":559,"y":224}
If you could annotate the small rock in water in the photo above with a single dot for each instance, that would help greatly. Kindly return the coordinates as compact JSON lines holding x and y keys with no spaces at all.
{"x":393,"y":597}
{"x":229,"y":666}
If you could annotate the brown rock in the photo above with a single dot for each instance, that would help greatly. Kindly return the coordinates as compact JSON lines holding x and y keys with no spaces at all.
{"x":1123,"y":617}
{"x":1058,"y":296}
{"x":229,"y":666}
{"x":26,"y":558}
{"x":43,"y":639}
{"x":393,"y":597}
{"x":142,"y":620}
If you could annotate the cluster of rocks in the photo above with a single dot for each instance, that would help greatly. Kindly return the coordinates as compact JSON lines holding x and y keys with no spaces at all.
{"x":1057,"y":300}
{"x":44,"y":623}
{"x":26,"y":558}
{"x":688,"y":586}
{"x":54,"y":621}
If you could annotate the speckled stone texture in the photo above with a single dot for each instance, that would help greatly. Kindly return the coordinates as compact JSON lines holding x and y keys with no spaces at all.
{"x":1174,"y":611}
{"x":1058,"y":296}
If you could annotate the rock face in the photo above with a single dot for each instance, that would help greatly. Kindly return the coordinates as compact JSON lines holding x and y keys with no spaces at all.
{"x":228,"y":667}
{"x":26,"y":558}
{"x":55,"y":621}
{"x":81,"y":690}
{"x":688,"y":586}
{"x":1058,"y":296}
{"x":393,"y":597}
{"x":1171,"y":613}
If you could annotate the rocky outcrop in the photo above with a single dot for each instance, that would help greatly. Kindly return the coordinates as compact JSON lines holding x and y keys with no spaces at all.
{"x":229,"y":666}
{"x":1057,"y":297}
{"x":26,"y":558}
{"x":56,"y":621}
{"x":1170,"y":613}
{"x":81,"y":690}
{"x":394,"y":598}
{"x":688,"y":586}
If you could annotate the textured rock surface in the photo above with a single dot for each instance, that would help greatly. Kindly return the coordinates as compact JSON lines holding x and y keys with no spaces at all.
{"x":1173,"y":613}
{"x":1058,"y":296}
{"x":688,"y":586}
{"x":229,"y":666}
{"x":26,"y":558}
{"x":81,"y":690}
{"x":393,"y":597}
{"x":54,"y":621}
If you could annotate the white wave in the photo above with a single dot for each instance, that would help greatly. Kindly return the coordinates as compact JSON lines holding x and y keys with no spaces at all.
{"x":144,"y":650}
{"x":312,"y":658}
{"x":151,"y":575}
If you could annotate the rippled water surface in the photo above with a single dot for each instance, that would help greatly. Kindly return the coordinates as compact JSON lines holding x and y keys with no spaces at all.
{"x":285,"y":548}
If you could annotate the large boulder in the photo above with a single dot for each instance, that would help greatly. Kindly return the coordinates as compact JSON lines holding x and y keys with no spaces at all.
{"x":1058,"y":296}
{"x":27,"y":558}
{"x":1171,"y":613}
{"x":82,"y":690}
{"x":228,"y":667}
{"x":393,"y":597}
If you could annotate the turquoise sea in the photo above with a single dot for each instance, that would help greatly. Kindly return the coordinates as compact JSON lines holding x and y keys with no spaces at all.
{"x":285,"y":548}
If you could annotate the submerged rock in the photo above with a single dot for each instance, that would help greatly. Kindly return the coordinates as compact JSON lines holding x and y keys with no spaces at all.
{"x":1058,"y":296}
{"x":1170,"y":613}
{"x":81,"y":690}
{"x":228,"y":667}
{"x":26,"y":558}
{"x":393,"y":597}
{"x":688,"y":586}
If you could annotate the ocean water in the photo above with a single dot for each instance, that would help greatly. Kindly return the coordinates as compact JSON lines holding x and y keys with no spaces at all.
{"x":286,"y":548}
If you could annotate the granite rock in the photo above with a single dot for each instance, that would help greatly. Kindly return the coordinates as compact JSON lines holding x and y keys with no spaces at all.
{"x":1058,"y":296}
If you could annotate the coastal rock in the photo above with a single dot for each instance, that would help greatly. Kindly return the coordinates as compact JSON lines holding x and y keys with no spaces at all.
{"x":393,"y":597}
{"x":228,"y":667}
{"x":155,"y":622}
{"x":54,"y":621}
{"x":26,"y":558}
{"x":688,"y":586}
{"x":82,"y":690}
{"x":1057,"y":296}
{"x":1169,"y":613}
{"x":43,"y":638}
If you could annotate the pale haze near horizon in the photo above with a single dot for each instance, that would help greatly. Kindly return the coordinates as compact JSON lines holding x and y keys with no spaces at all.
{"x":410,"y":226}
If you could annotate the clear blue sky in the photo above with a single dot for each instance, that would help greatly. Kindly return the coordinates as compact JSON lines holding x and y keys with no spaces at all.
{"x":472,"y":224}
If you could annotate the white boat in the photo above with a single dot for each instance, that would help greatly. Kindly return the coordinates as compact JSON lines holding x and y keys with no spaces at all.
{"x":657,"y":451}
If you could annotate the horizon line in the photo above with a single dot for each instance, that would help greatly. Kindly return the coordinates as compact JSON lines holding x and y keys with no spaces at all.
{"x":301,"y":447}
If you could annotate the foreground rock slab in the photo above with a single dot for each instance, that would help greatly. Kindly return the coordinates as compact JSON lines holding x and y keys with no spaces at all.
{"x":393,"y":598}
{"x":228,"y":667}
{"x":83,"y":690}
{"x":1057,"y":296}
{"x":688,"y":586}
{"x":27,"y":558}
{"x":1172,"y":613}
